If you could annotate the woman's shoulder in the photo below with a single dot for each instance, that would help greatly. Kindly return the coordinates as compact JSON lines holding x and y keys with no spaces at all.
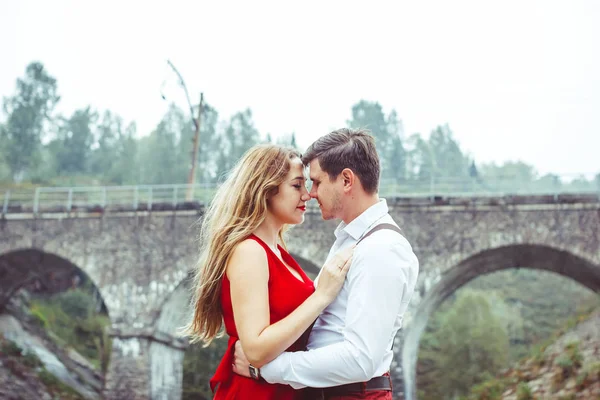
{"x":250,"y":247}
{"x":248,"y":255}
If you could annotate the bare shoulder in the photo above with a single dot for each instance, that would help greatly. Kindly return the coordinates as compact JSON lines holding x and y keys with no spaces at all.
{"x":247,"y":257}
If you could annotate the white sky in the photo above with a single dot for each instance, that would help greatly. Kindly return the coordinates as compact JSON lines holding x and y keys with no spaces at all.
{"x":513,"y":79}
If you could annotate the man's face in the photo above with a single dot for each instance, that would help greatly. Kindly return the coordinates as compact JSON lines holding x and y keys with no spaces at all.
{"x":328,"y":193}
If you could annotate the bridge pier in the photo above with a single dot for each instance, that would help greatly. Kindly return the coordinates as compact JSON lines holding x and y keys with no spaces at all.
{"x":144,"y":365}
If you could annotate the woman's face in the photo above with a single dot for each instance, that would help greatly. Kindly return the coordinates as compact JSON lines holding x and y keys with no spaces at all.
{"x":289,"y":204}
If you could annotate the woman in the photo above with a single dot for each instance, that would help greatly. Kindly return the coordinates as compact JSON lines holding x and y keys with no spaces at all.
{"x":246,"y":277}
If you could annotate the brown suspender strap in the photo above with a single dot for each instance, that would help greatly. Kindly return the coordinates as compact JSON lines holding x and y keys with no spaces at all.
{"x":380,"y":227}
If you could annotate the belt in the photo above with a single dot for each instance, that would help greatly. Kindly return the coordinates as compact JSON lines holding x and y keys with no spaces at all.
{"x":377,"y":383}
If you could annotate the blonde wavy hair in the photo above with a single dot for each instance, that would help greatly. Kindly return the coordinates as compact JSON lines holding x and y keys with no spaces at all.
{"x":238,"y":208}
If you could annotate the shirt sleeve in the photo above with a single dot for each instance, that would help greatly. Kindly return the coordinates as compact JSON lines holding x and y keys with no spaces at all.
{"x":376,"y":285}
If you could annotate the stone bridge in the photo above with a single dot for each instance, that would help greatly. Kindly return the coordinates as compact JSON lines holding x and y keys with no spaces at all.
{"x":140,"y":261}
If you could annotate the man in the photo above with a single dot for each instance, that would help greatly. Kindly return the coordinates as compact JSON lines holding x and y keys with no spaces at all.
{"x":349,"y":351}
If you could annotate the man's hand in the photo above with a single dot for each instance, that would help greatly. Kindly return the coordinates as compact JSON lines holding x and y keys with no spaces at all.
{"x":240,"y":364}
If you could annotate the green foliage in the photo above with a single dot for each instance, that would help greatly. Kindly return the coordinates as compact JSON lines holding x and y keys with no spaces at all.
{"x":518,"y":300}
{"x":58,"y":388}
{"x":75,"y":303}
{"x":84,"y":149}
{"x":530,"y":316}
{"x":387,"y":132}
{"x":71,"y":317}
{"x":10,"y":348}
{"x":588,"y":375}
{"x":239,"y":135}
{"x":570,"y":360}
{"x":31,"y":360}
{"x":472,"y":343}
{"x":524,"y":392}
{"x":73,"y":145}
{"x":28,"y":111}
{"x":488,"y":390}
{"x":199,"y":365}
{"x":465,"y":346}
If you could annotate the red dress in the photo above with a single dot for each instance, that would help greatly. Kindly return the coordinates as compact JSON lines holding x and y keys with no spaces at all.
{"x":286,"y":293}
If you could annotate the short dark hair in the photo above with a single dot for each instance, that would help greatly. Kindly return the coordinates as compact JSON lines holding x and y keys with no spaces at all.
{"x":347,"y":148}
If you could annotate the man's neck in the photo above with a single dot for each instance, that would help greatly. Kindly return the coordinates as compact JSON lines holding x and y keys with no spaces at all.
{"x":358,"y":205}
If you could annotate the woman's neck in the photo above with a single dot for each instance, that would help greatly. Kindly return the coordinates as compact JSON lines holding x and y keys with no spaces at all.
{"x":268,"y":232}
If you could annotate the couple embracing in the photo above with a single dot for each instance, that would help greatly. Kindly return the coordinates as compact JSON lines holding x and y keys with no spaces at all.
{"x":289,"y":337}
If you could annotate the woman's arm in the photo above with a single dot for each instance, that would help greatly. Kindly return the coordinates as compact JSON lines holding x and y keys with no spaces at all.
{"x":248,"y":273}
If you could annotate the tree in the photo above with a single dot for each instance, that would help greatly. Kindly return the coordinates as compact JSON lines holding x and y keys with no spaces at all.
{"x":395,"y":154}
{"x":73,"y":145}
{"x":388,"y":137}
{"x":508,"y":177}
{"x":126,"y":167}
{"x":421,"y":163}
{"x":473,"y":344}
{"x":449,"y":161}
{"x":239,"y":135}
{"x":207,"y":148}
{"x":108,"y":133}
{"x":473,"y":170}
{"x":288,"y":140}
{"x":4,"y":168}
{"x":115,"y":156}
{"x":28,"y":112}
{"x":160,"y":158}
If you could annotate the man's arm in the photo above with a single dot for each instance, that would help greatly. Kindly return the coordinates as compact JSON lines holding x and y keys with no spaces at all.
{"x":377,"y":280}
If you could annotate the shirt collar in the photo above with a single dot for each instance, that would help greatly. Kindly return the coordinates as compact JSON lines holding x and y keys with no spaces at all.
{"x":359,"y":225}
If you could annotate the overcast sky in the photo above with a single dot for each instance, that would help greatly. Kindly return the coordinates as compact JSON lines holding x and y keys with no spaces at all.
{"x":513,"y":79}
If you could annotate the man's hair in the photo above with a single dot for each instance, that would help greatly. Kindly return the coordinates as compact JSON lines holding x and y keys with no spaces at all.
{"x":347,"y":148}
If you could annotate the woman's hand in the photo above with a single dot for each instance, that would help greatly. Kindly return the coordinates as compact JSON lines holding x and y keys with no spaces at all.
{"x":334,"y":273}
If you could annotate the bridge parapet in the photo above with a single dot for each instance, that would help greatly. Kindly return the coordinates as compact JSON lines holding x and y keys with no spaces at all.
{"x":184,"y":196}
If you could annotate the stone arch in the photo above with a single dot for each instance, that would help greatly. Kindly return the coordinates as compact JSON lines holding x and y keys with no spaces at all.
{"x":167,"y":351}
{"x":531,"y":256}
{"x":41,"y":271}
{"x":22,"y":267}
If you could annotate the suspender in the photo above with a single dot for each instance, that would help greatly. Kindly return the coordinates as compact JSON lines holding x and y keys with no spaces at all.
{"x":380,"y":227}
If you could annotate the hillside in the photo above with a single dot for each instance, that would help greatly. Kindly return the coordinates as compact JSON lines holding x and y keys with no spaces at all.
{"x":567,"y":368}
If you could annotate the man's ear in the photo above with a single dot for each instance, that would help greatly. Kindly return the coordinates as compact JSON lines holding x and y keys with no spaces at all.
{"x":348,"y":178}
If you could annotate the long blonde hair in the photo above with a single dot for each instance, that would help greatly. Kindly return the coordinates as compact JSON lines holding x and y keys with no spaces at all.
{"x":238,"y":208}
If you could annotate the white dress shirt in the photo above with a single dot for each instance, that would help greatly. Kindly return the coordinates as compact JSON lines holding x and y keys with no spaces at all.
{"x":351,"y":340}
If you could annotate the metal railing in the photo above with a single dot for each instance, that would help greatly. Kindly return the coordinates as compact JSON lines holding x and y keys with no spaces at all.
{"x":169,"y":197}
{"x":138,"y":197}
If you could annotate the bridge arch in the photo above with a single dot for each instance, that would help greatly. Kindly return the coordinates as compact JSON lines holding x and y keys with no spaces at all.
{"x":44,"y":270}
{"x":529,"y":256}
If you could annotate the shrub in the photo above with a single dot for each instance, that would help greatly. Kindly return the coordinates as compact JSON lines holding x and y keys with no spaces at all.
{"x":489,"y":390}
{"x":38,"y":316}
{"x":58,"y":388}
{"x":524,"y":392}
{"x":10,"y":348}
{"x":75,"y":303}
{"x":31,"y":360}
